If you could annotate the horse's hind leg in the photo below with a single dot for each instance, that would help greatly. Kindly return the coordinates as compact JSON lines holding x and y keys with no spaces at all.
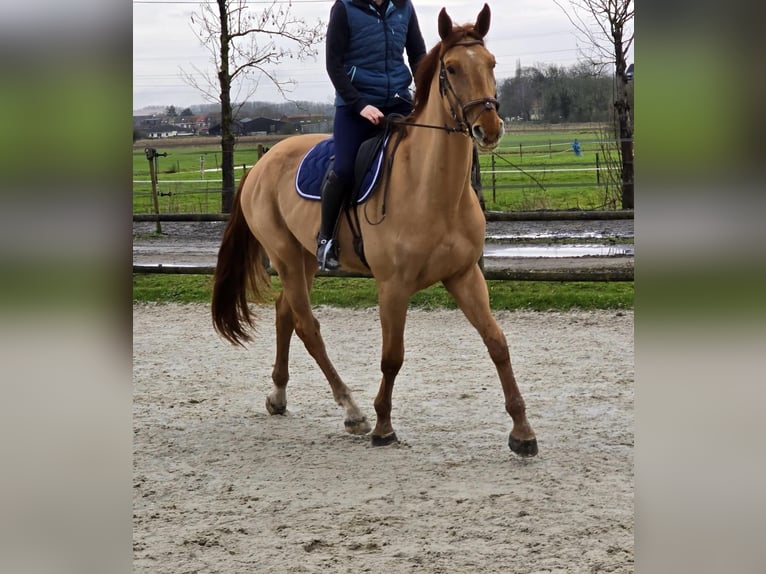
{"x":470,"y":292}
{"x":296,"y":282}
{"x":276,"y":402}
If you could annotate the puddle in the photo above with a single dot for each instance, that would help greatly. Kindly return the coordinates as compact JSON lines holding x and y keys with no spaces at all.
{"x":553,"y":235}
{"x":573,"y":250}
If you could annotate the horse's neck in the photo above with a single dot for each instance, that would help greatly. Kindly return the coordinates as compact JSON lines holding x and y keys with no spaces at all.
{"x":441,"y":155}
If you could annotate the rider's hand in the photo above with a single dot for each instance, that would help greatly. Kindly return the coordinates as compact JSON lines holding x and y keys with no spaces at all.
{"x":371,"y":113}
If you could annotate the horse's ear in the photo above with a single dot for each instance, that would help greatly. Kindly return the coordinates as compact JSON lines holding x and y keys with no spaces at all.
{"x":445,"y":24}
{"x":482,"y":21}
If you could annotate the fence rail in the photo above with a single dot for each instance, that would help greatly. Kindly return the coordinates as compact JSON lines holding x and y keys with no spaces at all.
{"x":524,"y":175}
{"x":543,"y":215}
{"x":574,"y":274}
{"x":624,"y":274}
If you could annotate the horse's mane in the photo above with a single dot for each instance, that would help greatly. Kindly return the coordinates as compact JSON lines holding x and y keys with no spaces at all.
{"x":429,"y":64}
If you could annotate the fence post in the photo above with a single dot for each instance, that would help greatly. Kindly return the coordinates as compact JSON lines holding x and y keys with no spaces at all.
{"x":155,"y":199}
{"x":494,"y":190}
{"x":152,"y":155}
{"x":521,"y":153}
{"x":598,"y":171}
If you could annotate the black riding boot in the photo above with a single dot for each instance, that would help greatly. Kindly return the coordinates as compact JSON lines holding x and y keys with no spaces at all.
{"x":332,"y":199}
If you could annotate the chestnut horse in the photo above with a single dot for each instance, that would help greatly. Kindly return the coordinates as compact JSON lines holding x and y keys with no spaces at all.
{"x":423,"y":225}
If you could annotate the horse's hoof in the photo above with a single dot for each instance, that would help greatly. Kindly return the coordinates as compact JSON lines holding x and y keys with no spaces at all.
{"x":359,"y":426}
{"x":275,"y":410}
{"x":523,"y":448}
{"x":384,"y":440}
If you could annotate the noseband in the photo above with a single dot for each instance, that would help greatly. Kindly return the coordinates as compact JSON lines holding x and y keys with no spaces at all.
{"x":445,"y":87}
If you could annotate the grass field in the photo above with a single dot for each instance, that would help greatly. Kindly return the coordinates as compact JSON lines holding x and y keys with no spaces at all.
{"x":534,"y":169}
{"x":531,"y":171}
{"x":188,"y":179}
{"x":362,"y":293}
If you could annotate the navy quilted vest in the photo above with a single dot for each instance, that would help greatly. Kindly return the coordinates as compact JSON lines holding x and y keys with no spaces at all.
{"x":378,"y":79}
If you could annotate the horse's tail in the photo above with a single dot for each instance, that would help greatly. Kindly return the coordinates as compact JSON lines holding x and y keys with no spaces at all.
{"x":239,"y":274}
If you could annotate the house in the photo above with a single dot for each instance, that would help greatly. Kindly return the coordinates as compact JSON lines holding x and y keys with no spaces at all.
{"x":263,"y":126}
{"x":252,"y":126}
{"x":203,"y":123}
{"x":309,"y":123}
{"x":236,"y":128}
{"x":160,"y":126}
{"x":166,"y":131}
{"x":144,"y":122}
{"x":198,"y":124}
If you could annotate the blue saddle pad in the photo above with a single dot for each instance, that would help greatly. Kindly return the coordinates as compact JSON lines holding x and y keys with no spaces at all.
{"x":313,"y":167}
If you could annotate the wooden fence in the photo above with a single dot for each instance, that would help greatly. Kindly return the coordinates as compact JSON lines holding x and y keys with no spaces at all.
{"x":571,"y":274}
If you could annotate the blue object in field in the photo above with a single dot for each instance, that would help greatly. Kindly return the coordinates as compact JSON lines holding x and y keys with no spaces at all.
{"x":576,"y":148}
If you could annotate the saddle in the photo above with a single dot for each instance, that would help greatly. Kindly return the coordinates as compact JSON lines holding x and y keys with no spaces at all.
{"x":367,"y":168}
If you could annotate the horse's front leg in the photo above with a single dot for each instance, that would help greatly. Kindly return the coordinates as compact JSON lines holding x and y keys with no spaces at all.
{"x":393,"y":313}
{"x":470,"y":292}
{"x":276,"y":402}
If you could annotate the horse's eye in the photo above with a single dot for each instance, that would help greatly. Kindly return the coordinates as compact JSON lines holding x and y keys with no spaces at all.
{"x":451,"y":70}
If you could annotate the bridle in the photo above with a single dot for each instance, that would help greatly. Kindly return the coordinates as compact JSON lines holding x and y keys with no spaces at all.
{"x":445,"y":88}
{"x":447,"y":91}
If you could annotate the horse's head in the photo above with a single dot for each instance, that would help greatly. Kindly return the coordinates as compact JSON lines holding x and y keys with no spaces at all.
{"x":467,"y":78}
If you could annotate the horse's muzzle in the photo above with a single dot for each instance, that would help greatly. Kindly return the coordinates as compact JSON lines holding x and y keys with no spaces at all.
{"x":487,"y":130}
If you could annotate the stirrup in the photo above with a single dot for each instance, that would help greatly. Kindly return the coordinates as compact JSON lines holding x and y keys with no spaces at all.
{"x":327,"y":260}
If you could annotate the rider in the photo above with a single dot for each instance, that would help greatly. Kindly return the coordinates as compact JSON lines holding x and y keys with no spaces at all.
{"x":366,"y":40}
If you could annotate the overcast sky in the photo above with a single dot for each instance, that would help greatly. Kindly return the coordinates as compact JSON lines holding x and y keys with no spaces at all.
{"x":164,"y":43}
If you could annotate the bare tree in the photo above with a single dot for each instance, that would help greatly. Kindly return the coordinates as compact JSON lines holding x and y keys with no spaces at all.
{"x":610,"y":35}
{"x":245,"y":44}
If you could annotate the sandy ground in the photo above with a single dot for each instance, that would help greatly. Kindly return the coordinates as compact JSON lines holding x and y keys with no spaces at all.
{"x":221,"y":486}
